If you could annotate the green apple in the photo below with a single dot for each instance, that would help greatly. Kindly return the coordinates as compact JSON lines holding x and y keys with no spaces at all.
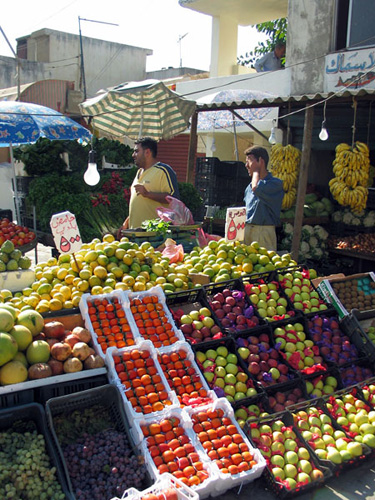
{"x":222,"y":351}
{"x":229,"y":378}
{"x":278,"y":460}
{"x":221,"y":361}
{"x":209,"y":376}
{"x":241,"y":413}
{"x":220,"y":371}
{"x":243,"y":352}
{"x":208,"y":322}
{"x":251,"y":392}
{"x":200,"y":356}
{"x":333,"y":455}
{"x":186,"y":319}
{"x":194,"y":315}
{"x":204,"y":311}
{"x":278,"y":473}
{"x":303,"y":454}
{"x":211,"y":354}
{"x":229,"y":390}
{"x":208,"y":363}
{"x":290,"y":470}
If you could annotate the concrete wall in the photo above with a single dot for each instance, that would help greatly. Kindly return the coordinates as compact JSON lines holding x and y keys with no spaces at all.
{"x":56,"y":55}
{"x":310,"y":27}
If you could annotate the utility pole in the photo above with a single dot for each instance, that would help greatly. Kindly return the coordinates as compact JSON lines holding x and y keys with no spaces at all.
{"x":179,"y":41}
{"x":83,"y":77}
{"x":18,"y":65}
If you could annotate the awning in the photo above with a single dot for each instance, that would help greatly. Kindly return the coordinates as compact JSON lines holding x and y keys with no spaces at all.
{"x":294,"y":101}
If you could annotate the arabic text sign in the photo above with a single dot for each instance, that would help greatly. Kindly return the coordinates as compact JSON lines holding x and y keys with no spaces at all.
{"x":65,"y":232}
{"x":235,"y":224}
{"x":350,"y":70}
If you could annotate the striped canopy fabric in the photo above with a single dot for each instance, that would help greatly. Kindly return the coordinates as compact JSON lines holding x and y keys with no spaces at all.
{"x":138,"y":109}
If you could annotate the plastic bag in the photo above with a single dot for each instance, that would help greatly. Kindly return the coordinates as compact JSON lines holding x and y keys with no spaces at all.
{"x":175,"y":253}
{"x":205,"y":238}
{"x":177,"y":212}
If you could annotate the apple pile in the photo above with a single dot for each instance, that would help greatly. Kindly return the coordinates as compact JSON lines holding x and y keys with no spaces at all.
{"x":197,"y":325}
{"x":143,"y":385}
{"x":152,"y":321}
{"x":353,"y":374}
{"x":233,"y":311}
{"x":355,"y":416}
{"x":18,"y":235}
{"x":288,"y":460}
{"x":280,"y":400}
{"x":183,"y":378}
{"x":328,"y":441}
{"x":172,"y":451}
{"x":245,"y":414}
{"x":298,"y":350}
{"x":368,"y":391}
{"x":264,"y":362}
{"x":268,"y":301}
{"x":321,"y":385}
{"x":298,"y":287}
{"x":222,"y":442}
{"x":334,"y":345}
{"x":109,"y":323}
{"x":224,"y":375}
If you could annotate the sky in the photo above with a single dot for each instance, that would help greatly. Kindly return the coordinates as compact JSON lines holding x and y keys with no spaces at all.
{"x":153,"y":24}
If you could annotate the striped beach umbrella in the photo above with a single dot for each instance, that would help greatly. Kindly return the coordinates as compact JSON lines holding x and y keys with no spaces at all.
{"x":136,"y":109}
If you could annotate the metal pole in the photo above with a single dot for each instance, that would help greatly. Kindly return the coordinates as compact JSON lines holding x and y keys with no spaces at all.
{"x":83,"y":78}
{"x":18,"y":65}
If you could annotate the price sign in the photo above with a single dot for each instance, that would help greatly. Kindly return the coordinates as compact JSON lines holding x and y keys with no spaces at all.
{"x":235,"y":224}
{"x":66,"y":232}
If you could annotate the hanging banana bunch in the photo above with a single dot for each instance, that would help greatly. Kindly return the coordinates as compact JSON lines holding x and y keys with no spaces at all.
{"x":351,"y":168}
{"x":284,"y":164}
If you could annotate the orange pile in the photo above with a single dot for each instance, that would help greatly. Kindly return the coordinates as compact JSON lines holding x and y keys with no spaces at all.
{"x":152,"y":321}
{"x":144,"y":387}
{"x":109,"y":322}
{"x":172,"y":451}
{"x":183,"y":378}
{"x":222,"y":441}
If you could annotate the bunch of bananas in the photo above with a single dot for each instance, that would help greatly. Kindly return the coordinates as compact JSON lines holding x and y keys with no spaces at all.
{"x":351,"y":168}
{"x":284,"y":164}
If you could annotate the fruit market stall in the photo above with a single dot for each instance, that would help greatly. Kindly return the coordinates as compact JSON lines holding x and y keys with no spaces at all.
{"x":215,"y":384}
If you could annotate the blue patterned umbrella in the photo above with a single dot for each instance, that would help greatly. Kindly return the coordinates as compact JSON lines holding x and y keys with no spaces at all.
{"x":209,"y":120}
{"x":25,"y":123}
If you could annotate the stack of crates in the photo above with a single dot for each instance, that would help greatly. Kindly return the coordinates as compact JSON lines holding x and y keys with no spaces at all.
{"x":221,"y":182}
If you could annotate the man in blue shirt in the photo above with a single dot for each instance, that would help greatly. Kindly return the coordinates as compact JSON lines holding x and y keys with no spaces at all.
{"x":272,"y":60}
{"x":263,"y":199}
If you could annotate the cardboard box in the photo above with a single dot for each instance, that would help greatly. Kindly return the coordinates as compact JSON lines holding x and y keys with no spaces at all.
{"x":199,"y":279}
{"x":326,"y":289}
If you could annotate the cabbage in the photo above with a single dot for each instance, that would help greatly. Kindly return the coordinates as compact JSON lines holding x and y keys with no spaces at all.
{"x":318,"y":206}
{"x":310,"y":198}
{"x":327,"y":204}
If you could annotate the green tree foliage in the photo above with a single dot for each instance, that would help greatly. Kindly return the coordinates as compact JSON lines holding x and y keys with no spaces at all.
{"x":276,"y":31}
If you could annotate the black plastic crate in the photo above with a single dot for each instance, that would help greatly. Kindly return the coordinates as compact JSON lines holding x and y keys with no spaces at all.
{"x":321,"y":408}
{"x":34,"y":413}
{"x":187,"y":301}
{"x":264,"y":377}
{"x":350,"y":325}
{"x":107,"y":396}
{"x":286,"y":396}
{"x":231,"y":347}
{"x":277,"y":487}
{"x":16,"y":398}
{"x":314,"y":378}
{"x":212,"y":289}
{"x":354,"y":373}
{"x":355,"y":340}
{"x":321,"y":365}
{"x":46,"y":392}
{"x":6,"y":214}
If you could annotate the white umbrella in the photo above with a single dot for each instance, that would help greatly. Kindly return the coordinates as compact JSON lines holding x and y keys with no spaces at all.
{"x":136,"y":109}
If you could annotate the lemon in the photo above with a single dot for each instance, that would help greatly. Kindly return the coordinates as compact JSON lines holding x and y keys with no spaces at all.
{"x":55,"y":305}
{"x":135,"y":267}
{"x":85,"y":273}
{"x":94,"y":281}
{"x":83,"y":286}
{"x":100,"y":272}
{"x":160,"y":280}
{"x":64,"y":258}
{"x":128,"y":280}
{"x":65,"y":292}
{"x":77,"y":299}
{"x":42,"y":307}
{"x":139,"y":287}
{"x":61,"y":273}
{"x":109,"y":238}
{"x":209,"y":272}
{"x":91,"y":256}
{"x":247,"y":267}
{"x":96,"y":290}
{"x":263,"y":259}
{"x":121,"y":286}
{"x":45,"y":288}
{"x":102,"y":260}
{"x":27,"y":291}
{"x":68,"y":304}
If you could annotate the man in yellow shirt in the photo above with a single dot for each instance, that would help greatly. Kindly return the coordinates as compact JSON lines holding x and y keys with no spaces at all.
{"x":153,"y":182}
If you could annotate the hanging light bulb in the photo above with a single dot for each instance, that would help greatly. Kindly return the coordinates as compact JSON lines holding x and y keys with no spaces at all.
{"x":92,"y":176}
{"x":323,"y":134}
{"x":272,"y":138}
